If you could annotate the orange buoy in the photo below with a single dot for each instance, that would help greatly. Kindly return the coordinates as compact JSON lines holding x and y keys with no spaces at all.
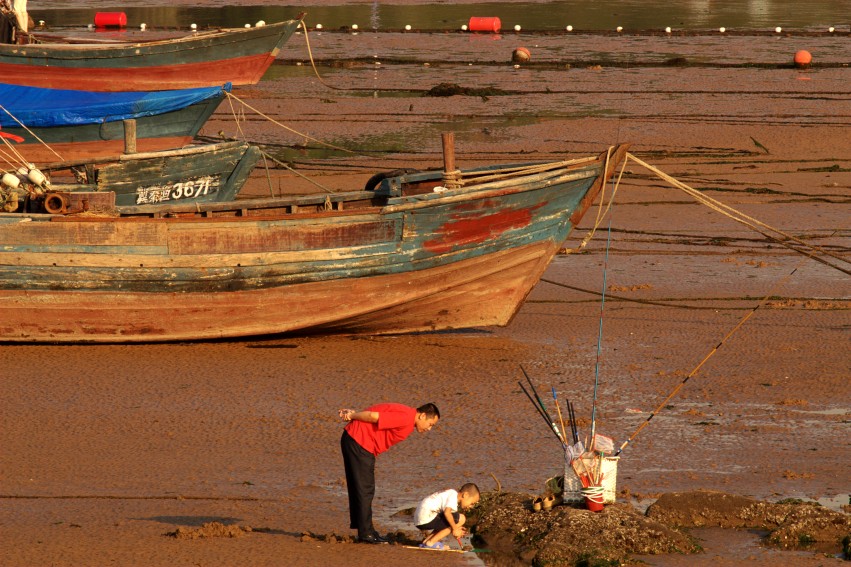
{"x":110,"y":19}
{"x":803,"y":59}
{"x":521,"y":55}
{"x":485,"y":24}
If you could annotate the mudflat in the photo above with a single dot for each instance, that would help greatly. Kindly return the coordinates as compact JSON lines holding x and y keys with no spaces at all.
{"x":108,"y":449}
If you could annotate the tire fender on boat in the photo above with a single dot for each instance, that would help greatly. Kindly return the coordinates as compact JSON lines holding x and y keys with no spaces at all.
{"x":376,"y":179}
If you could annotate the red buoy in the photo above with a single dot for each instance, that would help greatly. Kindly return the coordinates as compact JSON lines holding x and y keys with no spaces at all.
{"x":110,"y":19}
{"x":485,"y":24}
{"x":521,"y":55}
{"x":803,"y":59}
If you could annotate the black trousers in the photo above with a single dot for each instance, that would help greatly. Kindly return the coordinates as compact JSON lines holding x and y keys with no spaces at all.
{"x":360,"y":480}
{"x":439,"y":522}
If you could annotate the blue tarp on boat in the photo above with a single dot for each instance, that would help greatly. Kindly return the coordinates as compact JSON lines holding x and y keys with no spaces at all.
{"x":37,"y":108}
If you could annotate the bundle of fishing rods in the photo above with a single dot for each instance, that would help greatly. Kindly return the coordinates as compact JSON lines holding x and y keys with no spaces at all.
{"x":587,"y":464}
{"x":538,"y":403}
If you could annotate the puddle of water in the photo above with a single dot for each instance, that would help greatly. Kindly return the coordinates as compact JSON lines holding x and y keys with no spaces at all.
{"x":732,"y":547}
{"x":836,"y":502}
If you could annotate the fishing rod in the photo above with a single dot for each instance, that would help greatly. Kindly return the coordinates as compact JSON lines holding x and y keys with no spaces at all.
{"x":707,"y":357}
{"x":549,"y":423}
{"x":543,"y":407}
{"x":558,"y":409}
{"x":571,"y":415}
{"x":600,"y":335}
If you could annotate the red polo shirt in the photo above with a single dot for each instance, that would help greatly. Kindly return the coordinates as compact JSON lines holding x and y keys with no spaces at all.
{"x":395,"y":423}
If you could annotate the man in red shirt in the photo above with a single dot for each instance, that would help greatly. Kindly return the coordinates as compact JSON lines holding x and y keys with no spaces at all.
{"x":368,"y":434}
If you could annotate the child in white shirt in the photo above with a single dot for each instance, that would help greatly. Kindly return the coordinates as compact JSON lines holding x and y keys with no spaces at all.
{"x":439,"y":513}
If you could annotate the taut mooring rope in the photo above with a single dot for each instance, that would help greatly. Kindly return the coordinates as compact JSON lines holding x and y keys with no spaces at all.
{"x":31,"y":133}
{"x":313,"y":63}
{"x":601,"y":212}
{"x":294,"y":131}
{"x":748,"y":221}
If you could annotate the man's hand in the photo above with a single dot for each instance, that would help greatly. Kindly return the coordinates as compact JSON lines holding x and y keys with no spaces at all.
{"x":352,"y":415}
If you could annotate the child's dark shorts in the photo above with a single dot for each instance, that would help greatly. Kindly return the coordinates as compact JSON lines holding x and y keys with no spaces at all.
{"x":439,"y":522}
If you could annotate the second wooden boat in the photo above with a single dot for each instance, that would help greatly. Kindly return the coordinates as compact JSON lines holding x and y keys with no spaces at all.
{"x":55,"y":125}
{"x":197,"y":174}
{"x":203,"y":59}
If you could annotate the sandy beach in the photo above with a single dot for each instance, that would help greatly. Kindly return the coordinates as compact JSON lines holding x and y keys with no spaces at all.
{"x":106,"y":449}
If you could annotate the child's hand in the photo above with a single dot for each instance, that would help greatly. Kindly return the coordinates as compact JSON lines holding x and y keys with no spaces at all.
{"x":458,"y":531}
{"x":346,"y":414}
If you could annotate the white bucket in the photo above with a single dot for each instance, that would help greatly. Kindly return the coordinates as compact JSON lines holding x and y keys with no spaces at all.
{"x":573,"y":487}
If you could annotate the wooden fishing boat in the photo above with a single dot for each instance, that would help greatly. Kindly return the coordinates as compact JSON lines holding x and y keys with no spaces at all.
{"x":419,"y":252}
{"x":196,"y":174}
{"x":203,"y":59}
{"x":53,"y":124}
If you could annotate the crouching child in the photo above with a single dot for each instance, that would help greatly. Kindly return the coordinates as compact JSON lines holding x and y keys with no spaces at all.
{"x":439,"y":515}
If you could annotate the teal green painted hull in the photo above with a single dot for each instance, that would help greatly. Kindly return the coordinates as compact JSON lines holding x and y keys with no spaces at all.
{"x":150,"y":181}
{"x":204,"y":59}
{"x":410,"y":255}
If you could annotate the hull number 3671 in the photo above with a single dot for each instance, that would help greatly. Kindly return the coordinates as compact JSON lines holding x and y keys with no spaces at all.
{"x":194,"y":188}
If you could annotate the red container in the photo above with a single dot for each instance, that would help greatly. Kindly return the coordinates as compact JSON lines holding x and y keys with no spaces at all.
{"x":593,"y":505}
{"x":110,"y":19}
{"x":484,"y":24}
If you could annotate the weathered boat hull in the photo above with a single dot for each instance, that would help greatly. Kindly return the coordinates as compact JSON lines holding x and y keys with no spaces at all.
{"x":95,"y":141}
{"x":197,"y":174}
{"x":238,"y":56}
{"x":455,"y":259}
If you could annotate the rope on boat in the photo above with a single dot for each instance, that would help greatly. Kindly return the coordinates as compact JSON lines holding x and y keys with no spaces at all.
{"x":303,"y":176}
{"x":809,"y":250}
{"x":614,"y":297}
{"x":500,"y":172}
{"x":7,"y":157}
{"x":453,"y":180}
{"x":601,"y":213}
{"x":313,"y":63}
{"x":31,"y":133}
{"x":268,"y":175}
{"x":238,"y":119}
{"x":287,"y":128}
{"x":493,"y":175}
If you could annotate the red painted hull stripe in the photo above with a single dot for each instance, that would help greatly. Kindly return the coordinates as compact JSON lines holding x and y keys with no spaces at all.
{"x":239,"y":71}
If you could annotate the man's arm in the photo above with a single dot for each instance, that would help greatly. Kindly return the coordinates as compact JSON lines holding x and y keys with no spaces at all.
{"x":352,"y":415}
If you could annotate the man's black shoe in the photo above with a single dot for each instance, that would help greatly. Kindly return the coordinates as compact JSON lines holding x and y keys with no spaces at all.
{"x":372,"y":538}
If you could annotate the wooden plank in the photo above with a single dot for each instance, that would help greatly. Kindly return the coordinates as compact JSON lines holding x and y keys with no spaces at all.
{"x":288,"y":202}
{"x":137,"y":156}
{"x":275,"y":237}
{"x":159,"y":257}
{"x":130,"y":136}
{"x":84,"y":236}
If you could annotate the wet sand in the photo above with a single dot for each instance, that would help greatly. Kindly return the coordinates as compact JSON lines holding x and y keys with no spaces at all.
{"x":107,"y":448}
